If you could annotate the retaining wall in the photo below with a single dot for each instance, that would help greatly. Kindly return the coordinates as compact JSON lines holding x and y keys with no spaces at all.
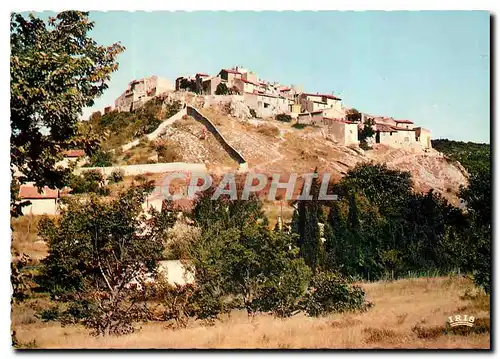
{"x":132,"y":170}
{"x":191,"y":111}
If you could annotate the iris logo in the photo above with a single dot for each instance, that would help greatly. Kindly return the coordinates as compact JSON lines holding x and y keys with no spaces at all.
{"x":458,"y":320}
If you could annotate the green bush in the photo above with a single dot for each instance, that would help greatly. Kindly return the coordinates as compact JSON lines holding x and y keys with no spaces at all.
{"x":284,"y":117}
{"x":116,"y":176}
{"x":100,"y":159}
{"x":91,"y":181}
{"x":330,"y":293}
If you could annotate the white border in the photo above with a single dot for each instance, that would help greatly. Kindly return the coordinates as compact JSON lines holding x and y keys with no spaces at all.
{"x":187,"y":5}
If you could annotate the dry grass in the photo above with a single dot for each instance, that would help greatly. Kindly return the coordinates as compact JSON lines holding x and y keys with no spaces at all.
{"x":400,"y":307}
{"x":25,"y":237}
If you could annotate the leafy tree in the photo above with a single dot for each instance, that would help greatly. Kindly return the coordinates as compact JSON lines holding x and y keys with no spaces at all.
{"x":353,"y":115}
{"x":365,"y":133}
{"x":237,"y":257}
{"x":221,"y":89}
{"x":91,"y":181}
{"x":309,"y":213}
{"x":96,"y":249}
{"x":478,"y":203}
{"x":56,"y":70}
{"x":100,"y":158}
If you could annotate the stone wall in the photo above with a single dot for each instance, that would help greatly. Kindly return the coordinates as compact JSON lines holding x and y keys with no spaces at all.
{"x":191,"y":111}
{"x":132,"y":170}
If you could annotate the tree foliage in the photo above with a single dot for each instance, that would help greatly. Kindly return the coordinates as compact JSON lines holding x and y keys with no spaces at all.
{"x":221,"y":89}
{"x":56,"y":70}
{"x":96,"y":249}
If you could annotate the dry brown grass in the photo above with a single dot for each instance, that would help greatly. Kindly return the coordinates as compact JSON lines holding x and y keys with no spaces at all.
{"x":399,"y":307}
{"x":25,"y":237}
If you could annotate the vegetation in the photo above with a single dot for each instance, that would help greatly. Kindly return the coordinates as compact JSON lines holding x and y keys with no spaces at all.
{"x":475,"y":157}
{"x":56,"y":70}
{"x":353,"y":115}
{"x":116,"y":176}
{"x":221,"y":89}
{"x":283,"y":117}
{"x":365,"y":133}
{"x":91,"y":181}
{"x":100,"y":158}
{"x":123,"y":127}
{"x":97,"y":249}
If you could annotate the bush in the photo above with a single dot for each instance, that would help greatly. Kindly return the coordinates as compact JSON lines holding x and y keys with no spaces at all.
{"x":116,"y":176}
{"x":91,"y":181}
{"x":284,"y":117}
{"x":330,"y":293}
{"x":221,"y":89}
{"x":268,"y":130}
{"x":100,"y":159}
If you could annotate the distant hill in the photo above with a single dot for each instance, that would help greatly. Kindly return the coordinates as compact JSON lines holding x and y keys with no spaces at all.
{"x":473,"y":156}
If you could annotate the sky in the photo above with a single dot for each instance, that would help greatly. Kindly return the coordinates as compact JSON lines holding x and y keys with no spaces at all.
{"x":429,"y":67}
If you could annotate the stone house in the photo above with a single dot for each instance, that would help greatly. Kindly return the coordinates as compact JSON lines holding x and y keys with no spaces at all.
{"x":140,"y":91}
{"x":315,"y":102}
{"x":46,"y":202}
{"x":229,"y":75}
{"x":209,"y":85}
{"x":344,"y":132}
{"x":266,"y":105}
{"x":72,"y":156}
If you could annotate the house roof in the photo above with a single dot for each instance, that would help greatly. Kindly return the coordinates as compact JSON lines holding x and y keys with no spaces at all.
{"x":201,"y":74}
{"x":74,"y":153}
{"x":231,"y":71}
{"x":332,"y":97}
{"x":249,"y":82}
{"x":403,"y":121}
{"x":385,"y":128}
{"x":31,"y":192}
{"x":341,"y":120}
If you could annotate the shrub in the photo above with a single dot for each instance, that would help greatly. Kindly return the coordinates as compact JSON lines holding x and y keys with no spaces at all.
{"x":329,"y":293}
{"x":100,"y":159}
{"x":299,"y":126}
{"x":221,"y":89}
{"x":91,"y":181}
{"x":284,"y":117}
{"x":96,"y":249}
{"x":268,"y":130}
{"x":116,"y":176}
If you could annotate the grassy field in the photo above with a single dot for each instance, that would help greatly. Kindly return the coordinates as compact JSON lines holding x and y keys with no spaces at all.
{"x":409,"y":313}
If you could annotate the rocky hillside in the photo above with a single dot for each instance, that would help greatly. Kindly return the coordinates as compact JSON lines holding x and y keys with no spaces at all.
{"x":271,"y":146}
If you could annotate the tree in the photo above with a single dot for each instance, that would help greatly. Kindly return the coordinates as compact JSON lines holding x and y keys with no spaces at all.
{"x":353,"y":115}
{"x":308,"y":218}
{"x":56,"y":70}
{"x":221,"y":89}
{"x":366,"y":132}
{"x":239,"y":262}
{"x":96,"y":249}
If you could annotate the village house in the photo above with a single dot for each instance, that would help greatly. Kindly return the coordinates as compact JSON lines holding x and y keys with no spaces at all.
{"x":46,"y":202}
{"x":399,"y":133}
{"x":72,"y":156}
{"x":266,"y":105}
{"x":140,"y":91}
{"x":314,"y":102}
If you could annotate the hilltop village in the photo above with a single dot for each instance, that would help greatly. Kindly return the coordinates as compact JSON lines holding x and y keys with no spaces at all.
{"x":252,"y":135}
{"x":267,"y":99}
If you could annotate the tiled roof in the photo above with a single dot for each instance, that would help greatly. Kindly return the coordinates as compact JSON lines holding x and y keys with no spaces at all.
{"x":385,"y":128}
{"x":403,"y":121}
{"x":341,"y":120}
{"x":201,"y":74}
{"x":231,"y":71}
{"x":332,"y":97}
{"x":74,"y":153}
{"x":31,"y":192}
{"x":249,"y":82}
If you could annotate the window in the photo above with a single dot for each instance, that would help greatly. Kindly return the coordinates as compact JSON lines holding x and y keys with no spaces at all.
{"x":266,"y":105}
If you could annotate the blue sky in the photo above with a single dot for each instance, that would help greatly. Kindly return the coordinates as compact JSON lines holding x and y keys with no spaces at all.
{"x":429,"y":67}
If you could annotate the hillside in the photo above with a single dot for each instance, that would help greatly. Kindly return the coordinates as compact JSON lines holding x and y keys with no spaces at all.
{"x":473,"y":156}
{"x":268,"y":145}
